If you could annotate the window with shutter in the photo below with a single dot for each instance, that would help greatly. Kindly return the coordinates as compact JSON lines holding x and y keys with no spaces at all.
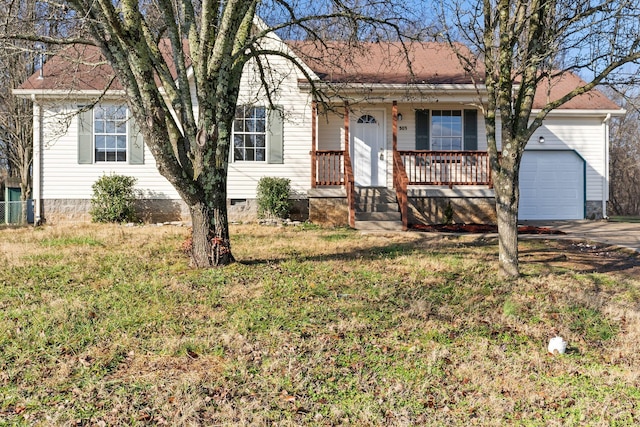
{"x":446,"y":130}
{"x":107,"y":133}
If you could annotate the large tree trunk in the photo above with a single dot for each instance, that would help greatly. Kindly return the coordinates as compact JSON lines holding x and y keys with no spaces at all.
{"x":506,"y":182}
{"x":507,"y":197}
{"x":211,"y":245}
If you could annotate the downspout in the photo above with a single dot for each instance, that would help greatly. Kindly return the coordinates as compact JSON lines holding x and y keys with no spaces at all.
{"x":605,"y":178}
{"x":37,"y":161}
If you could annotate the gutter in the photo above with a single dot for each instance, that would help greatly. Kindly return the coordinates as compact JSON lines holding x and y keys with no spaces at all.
{"x":38,"y":135}
{"x":605,"y":178}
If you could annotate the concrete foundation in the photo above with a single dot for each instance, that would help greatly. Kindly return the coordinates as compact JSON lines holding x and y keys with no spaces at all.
{"x":57,"y":211}
{"x":594,"y":209}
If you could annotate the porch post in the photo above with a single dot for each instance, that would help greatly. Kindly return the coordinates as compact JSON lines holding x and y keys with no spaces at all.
{"x":394,"y":125}
{"x":394,"y":137}
{"x":346,"y":127}
{"x":314,"y":160}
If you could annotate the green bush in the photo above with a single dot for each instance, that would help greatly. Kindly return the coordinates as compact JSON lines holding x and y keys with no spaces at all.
{"x":113,"y":199}
{"x":273,"y":197}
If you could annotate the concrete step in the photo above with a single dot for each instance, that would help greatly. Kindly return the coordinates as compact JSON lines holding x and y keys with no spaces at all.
{"x":379,"y":225}
{"x":374,"y":195}
{"x":377,"y":207}
{"x":378,"y":216}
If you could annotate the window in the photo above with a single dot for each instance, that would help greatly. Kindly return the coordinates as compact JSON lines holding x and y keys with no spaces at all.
{"x":446,"y":130}
{"x":367,"y":119}
{"x":250,"y":134}
{"x":442,"y":130}
{"x":110,"y":133}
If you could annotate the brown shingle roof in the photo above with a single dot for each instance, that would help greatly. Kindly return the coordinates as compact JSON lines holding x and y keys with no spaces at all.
{"x":76,"y":67}
{"x":80,"y":67}
{"x":421,"y":63}
{"x":560,"y":86}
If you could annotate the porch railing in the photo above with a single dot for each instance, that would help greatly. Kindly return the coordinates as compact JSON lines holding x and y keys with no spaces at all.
{"x":400,"y":182}
{"x":447,"y":167}
{"x":350,"y":187}
{"x":329,"y":167}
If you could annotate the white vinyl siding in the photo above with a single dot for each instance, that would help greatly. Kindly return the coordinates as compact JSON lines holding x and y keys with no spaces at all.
{"x":64,"y":178}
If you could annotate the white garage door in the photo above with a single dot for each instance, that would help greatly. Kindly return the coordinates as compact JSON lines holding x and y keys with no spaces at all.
{"x":551,"y":185}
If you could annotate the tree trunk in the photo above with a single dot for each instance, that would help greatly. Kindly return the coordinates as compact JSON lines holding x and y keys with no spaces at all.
{"x":507,"y":198}
{"x":211,"y":246}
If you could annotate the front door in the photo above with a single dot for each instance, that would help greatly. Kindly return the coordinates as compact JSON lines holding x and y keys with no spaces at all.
{"x":368,"y":151}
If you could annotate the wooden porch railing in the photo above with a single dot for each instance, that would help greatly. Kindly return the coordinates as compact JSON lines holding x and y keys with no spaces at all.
{"x":329,"y":167}
{"x":400,"y":182}
{"x":447,"y":167}
{"x":350,"y":187}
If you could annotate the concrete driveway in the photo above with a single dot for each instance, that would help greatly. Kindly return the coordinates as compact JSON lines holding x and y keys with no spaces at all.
{"x":623,"y":234}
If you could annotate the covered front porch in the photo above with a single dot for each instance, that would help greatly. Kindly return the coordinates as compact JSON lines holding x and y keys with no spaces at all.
{"x":424,"y":183}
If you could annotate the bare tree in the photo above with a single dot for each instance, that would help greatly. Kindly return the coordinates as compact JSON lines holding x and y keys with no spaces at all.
{"x":208,"y":43}
{"x":17,"y":62}
{"x":625,"y":159}
{"x":527,"y":47}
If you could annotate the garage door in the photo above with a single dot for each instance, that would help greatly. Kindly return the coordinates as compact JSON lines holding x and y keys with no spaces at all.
{"x":551,"y":185}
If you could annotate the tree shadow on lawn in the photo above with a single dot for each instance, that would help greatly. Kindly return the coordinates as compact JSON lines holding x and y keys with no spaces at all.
{"x":582,"y":257}
{"x":554,"y":253}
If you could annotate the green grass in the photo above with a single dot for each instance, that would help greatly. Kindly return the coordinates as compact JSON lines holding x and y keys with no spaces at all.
{"x":107,"y":325}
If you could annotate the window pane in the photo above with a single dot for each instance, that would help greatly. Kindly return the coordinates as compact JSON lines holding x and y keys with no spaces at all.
{"x":260,"y":112}
{"x":251,"y":125}
{"x":110,"y":132}
{"x":121,"y":127}
{"x":249,"y":141}
{"x":249,"y":133}
{"x":238,"y":141}
{"x":446,"y":131}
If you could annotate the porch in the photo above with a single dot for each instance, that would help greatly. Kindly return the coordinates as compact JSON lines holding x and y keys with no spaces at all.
{"x":423,"y":180}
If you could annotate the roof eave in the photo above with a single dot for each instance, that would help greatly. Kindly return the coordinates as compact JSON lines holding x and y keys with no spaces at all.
{"x":58,"y":94}
{"x":583,"y":112}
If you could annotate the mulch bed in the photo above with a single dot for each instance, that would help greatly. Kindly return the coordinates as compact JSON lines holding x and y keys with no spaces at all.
{"x":480,"y":228}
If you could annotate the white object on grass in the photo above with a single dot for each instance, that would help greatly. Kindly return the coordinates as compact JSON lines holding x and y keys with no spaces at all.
{"x":557,"y":345}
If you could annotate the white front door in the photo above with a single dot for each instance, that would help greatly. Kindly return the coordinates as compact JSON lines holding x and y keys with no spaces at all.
{"x":368,"y":150}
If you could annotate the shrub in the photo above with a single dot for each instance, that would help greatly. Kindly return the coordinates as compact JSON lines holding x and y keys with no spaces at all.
{"x":113,"y":199}
{"x":273,"y":197}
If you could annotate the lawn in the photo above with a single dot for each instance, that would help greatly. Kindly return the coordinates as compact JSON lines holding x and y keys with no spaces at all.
{"x":108,"y":325}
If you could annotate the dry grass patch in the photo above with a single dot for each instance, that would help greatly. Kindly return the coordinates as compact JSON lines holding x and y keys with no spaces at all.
{"x":107,"y":325}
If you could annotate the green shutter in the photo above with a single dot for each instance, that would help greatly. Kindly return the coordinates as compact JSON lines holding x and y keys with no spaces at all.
{"x":470,"y":130}
{"x":422,"y":129}
{"x":136,"y":144}
{"x":85,"y":137}
{"x":275,"y":136}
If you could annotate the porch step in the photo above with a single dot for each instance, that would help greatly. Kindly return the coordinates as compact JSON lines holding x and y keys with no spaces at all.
{"x":374,"y":195}
{"x":379,"y":225}
{"x":378,"y":216}
{"x":377,"y":209}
